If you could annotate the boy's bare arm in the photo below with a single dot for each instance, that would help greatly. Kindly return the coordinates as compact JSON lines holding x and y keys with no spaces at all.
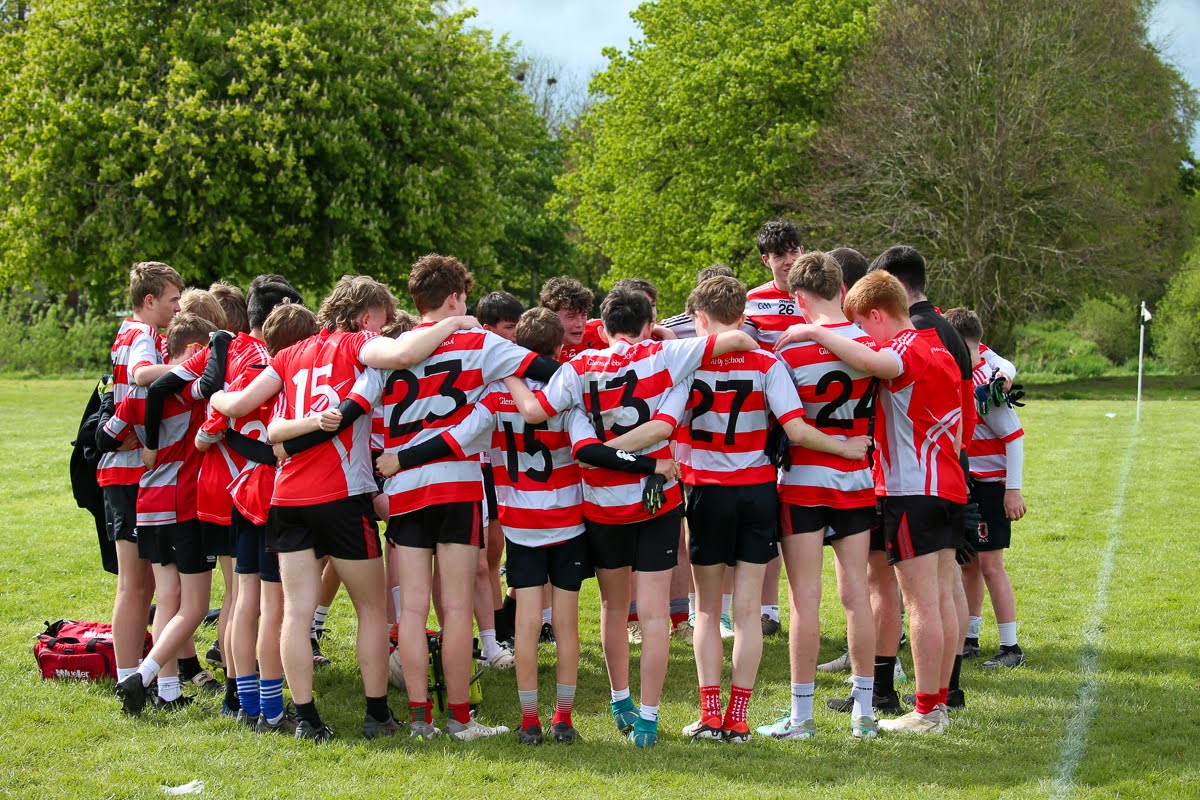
{"x":280,"y":430}
{"x":643,"y":436}
{"x":525,"y":401}
{"x":731,"y":341}
{"x":148,"y":374}
{"x":384,"y":353}
{"x":856,"y":354}
{"x":805,"y":435}
{"x":240,"y":403}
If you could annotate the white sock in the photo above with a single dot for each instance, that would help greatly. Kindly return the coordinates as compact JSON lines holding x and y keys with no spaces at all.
{"x":396,"y":601}
{"x":168,"y":689}
{"x":692,"y":603}
{"x":487,"y":643}
{"x":802,"y":701}
{"x":548,"y":615}
{"x":148,"y":669}
{"x":620,"y":694}
{"x":319,"y":620}
{"x":973,"y":625}
{"x":726,"y":604}
{"x":773,"y":613}
{"x":649,"y":713}
{"x":862,"y":691}
{"x":1008,"y":633}
{"x":125,"y":672}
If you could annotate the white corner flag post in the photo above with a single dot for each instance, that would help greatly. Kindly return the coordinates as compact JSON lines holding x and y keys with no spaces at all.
{"x":1141,"y":355}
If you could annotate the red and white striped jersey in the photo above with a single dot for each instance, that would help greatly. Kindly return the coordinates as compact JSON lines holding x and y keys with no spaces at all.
{"x":733,"y":398}
{"x":919,"y":413}
{"x":137,"y":345}
{"x":253,"y":486}
{"x":988,"y":449}
{"x":773,"y":311}
{"x":839,"y":401}
{"x":619,"y":389}
{"x":538,"y":483}
{"x":318,"y":374}
{"x":593,"y":339}
{"x":435,"y":395}
{"x":167,"y":493}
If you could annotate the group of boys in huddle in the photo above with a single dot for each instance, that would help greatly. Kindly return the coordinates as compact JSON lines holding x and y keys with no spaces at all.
{"x":832,"y":405}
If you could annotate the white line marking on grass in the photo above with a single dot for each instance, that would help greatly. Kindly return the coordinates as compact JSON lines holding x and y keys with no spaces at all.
{"x":1093,"y":632}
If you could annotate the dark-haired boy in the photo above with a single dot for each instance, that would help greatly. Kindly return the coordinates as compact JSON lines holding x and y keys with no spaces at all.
{"x":918,"y":476}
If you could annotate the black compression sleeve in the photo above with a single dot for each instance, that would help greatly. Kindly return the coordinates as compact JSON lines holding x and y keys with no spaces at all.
{"x":541,"y":369}
{"x":423,"y":453}
{"x":351,"y":411}
{"x":155,"y":396}
{"x":252,"y":449}
{"x":600,"y":455}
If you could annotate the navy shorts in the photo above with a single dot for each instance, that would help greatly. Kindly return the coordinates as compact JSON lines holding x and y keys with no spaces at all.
{"x":252,"y":555}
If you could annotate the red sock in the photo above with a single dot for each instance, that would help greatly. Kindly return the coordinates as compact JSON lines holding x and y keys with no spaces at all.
{"x":461,"y":712}
{"x":927,"y":702}
{"x":739,"y":703}
{"x":710,"y":701}
{"x":944,"y":695}
{"x":562,"y":716}
{"x":562,"y":705}
{"x":678,"y":618}
{"x":631,"y":618}
{"x":421,"y":712}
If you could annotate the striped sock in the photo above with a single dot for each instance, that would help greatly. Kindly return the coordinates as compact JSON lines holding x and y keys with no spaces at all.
{"x":710,"y":701}
{"x":739,"y":704}
{"x":318,"y":623}
{"x":529,"y":708}
{"x":649,"y":713}
{"x":421,"y":712}
{"x":247,"y":689}
{"x":564,"y":702}
{"x":271,"y":697}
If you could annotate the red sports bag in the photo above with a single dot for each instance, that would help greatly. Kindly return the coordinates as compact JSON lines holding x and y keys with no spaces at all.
{"x":82,"y":651}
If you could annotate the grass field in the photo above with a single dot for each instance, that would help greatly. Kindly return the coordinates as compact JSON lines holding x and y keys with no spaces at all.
{"x":1103,"y":570}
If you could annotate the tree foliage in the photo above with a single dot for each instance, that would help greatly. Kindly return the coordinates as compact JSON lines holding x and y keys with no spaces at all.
{"x":699,"y":128}
{"x":1030,"y":149}
{"x":229,"y":138}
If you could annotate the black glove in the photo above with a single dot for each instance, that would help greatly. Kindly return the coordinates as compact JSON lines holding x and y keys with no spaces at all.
{"x":779,"y":448}
{"x":983,"y":399}
{"x":1013,"y":398}
{"x":653,"y":495}
{"x":972,"y":519}
{"x":213,"y":379}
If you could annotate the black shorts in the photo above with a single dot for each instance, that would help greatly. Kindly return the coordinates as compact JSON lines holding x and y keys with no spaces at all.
{"x":995,"y":532}
{"x":251,"y":554}
{"x":342,"y":528}
{"x":878,"y":544}
{"x":648,"y":546}
{"x":728,"y":524}
{"x":444,"y":523}
{"x":218,"y":539}
{"x":918,"y":525}
{"x":565,"y":565}
{"x":120,"y":512}
{"x":837,"y":523}
{"x":491,"y":505}
{"x":180,"y":543}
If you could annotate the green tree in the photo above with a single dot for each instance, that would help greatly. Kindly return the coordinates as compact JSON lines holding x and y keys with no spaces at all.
{"x":228,"y":138}
{"x":699,"y":130}
{"x":1031,"y":149}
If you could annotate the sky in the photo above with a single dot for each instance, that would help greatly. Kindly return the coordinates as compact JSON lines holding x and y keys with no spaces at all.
{"x":572,"y":33}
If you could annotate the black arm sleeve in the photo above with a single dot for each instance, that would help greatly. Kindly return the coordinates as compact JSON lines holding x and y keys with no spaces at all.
{"x":159,"y":390}
{"x":600,"y":455}
{"x":104,"y":442}
{"x":541,"y":369}
{"x":252,"y":449}
{"x":213,"y":378}
{"x":351,"y":411}
{"x":423,"y":453}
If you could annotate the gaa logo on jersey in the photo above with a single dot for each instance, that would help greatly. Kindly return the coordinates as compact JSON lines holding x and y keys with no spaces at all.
{"x":983,"y":533}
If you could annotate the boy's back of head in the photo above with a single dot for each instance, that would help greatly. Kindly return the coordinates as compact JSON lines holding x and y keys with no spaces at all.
{"x":715,"y":271}
{"x":351,"y":297}
{"x":853,"y":263}
{"x":966,"y":322}
{"x":638,"y":285}
{"x":877,"y":290}
{"x":202,"y":303}
{"x":233,"y":306}
{"x":626,"y":312}
{"x":497,"y":307}
{"x":287,"y":324}
{"x":566,"y":294}
{"x":266,"y":292}
{"x":151,"y":278}
{"x":777,"y":237}
{"x":722,"y":299}
{"x":540,"y":330}
{"x":816,"y":273}
{"x":434,"y":278}
{"x":906,"y":264}
{"x":404,"y":323}
{"x":187,"y":328}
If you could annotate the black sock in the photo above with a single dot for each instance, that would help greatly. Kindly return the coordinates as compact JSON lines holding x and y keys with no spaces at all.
{"x":885,"y":674}
{"x":308,"y":713}
{"x":231,"y":696}
{"x":377,"y":707}
{"x":189,"y":667}
{"x":955,"y":671}
{"x":504,"y":624}
{"x":974,"y":642}
{"x":1010,"y":648}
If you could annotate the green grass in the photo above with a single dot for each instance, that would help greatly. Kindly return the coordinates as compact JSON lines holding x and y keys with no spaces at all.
{"x":70,"y":740}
